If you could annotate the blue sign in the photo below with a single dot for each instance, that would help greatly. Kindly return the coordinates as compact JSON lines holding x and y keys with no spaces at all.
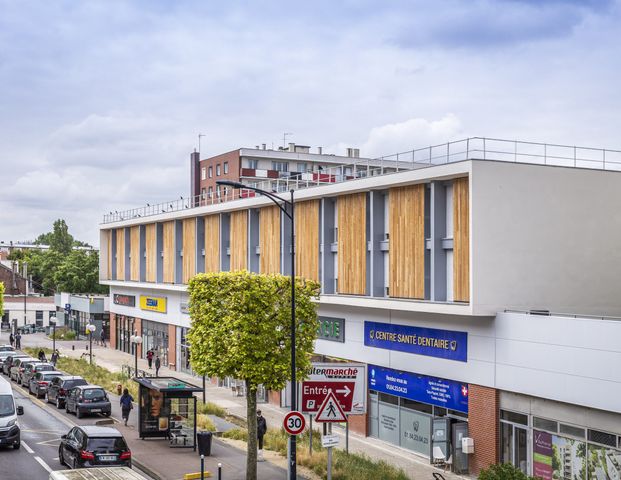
{"x":420,"y":388}
{"x":67,"y":307}
{"x":447,"y":344}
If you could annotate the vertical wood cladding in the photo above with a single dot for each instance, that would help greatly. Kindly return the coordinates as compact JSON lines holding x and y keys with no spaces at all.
{"x":407,"y":241}
{"x":134,"y":253}
{"x":108,"y":246}
{"x":307,"y":239}
{"x":483,"y":426}
{"x":269,"y":240}
{"x":150,"y":252}
{"x":120,"y":254}
{"x":189,"y":249}
{"x":239,"y":240}
{"x":168,"y":230}
{"x":461,"y":241}
{"x":352,"y":255}
{"x":212,"y":243}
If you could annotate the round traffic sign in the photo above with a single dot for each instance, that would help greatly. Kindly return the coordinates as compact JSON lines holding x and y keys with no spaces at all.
{"x":294,"y":423}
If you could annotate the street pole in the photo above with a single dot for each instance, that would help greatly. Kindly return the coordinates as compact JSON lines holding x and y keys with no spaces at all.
{"x":202,"y":467}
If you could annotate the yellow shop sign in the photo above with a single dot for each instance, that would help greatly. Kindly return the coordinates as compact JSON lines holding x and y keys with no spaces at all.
{"x":154,"y":304}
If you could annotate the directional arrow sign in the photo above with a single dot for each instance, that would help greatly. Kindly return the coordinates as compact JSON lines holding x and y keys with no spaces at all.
{"x":314,"y":394}
{"x":330,"y":410}
{"x":346,"y":380}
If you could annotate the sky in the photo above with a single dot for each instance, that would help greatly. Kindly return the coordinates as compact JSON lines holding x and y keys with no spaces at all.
{"x":101,"y":102}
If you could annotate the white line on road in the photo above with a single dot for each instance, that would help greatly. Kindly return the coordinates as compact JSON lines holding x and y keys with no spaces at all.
{"x":43,"y":464}
{"x":28,"y":449}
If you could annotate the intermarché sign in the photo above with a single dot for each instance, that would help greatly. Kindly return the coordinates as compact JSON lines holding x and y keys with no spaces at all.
{"x":332,"y":329}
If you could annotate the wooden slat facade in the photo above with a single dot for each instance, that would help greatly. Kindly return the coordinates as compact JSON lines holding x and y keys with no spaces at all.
{"x":461,"y":241}
{"x":120,"y":254}
{"x":307,"y":239}
{"x":189,"y":249}
{"x":212,"y":243}
{"x":168,"y":268}
{"x":134,"y":253}
{"x":269,"y":240}
{"x":407,"y":242}
{"x":352,"y":251}
{"x":239,"y":240}
{"x":150,"y":252}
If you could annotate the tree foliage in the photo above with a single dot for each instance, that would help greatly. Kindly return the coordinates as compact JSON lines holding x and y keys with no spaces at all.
{"x":241,"y":327}
{"x":503,"y":471}
{"x":61,"y":240}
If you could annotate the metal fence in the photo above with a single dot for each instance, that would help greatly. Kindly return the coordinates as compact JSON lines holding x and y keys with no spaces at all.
{"x":474,"y":148}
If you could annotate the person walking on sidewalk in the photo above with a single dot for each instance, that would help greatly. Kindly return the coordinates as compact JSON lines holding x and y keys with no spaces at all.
{"x":54,"y":357}
{"x":261,"y":429}
{"x":18,"y":340}
{"x":102,"y":337}
{"x":126,"y":405}
{"x":12,"y":340}
{"x":158,"y":364}
{"x":150,"y":358}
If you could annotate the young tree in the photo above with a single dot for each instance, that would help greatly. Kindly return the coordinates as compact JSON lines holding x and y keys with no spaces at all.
{"x":241,"y":327}
{"x":61,"y":240}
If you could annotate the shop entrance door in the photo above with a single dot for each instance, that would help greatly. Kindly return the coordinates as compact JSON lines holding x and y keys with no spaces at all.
{"x":520,"y":449}
{"x":460,"y":459}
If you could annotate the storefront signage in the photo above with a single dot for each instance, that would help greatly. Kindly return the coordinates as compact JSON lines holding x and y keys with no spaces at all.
{"x":448,"y":344}
{"x":348,"y":380}
{"x":542,"y":455}
{"x":125,"y":300}
{"x":153,"y":304}
{"x":185,"y":308}
{"x":420,"y":388}
{"x":332,"y":329}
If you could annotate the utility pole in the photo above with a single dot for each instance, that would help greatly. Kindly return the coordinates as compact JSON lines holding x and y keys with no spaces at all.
{"x":25,"y":274}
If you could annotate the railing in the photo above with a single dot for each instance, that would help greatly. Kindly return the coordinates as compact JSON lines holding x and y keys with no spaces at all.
{"x":546,"y":313}
{"x":131,"y":372}
{"x":474,"y":148}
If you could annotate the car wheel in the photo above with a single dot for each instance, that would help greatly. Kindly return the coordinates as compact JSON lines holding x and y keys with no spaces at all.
{"x":61,"y":459}
{"x":78,"y":413}
{"x":67,"y":408}
{"x":47,"y":400}
{"x":58,"y":404}
{"x":17,"y":446}
{"x":107,"y":414}
{"x":74,"y":464}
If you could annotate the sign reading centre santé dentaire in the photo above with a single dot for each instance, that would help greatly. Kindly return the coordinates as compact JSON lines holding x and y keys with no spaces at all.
{"x":347,"y":381}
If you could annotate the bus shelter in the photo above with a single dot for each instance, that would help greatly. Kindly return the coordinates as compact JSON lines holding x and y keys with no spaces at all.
{"x":167,"y":409}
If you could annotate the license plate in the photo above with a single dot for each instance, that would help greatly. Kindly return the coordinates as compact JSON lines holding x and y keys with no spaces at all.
{"x":95,"y":410}
{"x":107,"y":458}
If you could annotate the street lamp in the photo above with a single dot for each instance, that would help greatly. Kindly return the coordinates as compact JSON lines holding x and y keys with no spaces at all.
{"x":53,"y":325}
{"x":135,"y":340}
{"x":90,"y":329}
{"x":291,"y":214}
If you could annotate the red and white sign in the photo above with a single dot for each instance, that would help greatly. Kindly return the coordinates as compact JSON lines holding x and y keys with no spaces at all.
{"x":346,"y":380}
{"x":294,"y":423}
{"x":330,"y":410}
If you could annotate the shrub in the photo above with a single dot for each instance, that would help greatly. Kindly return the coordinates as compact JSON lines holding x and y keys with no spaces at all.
{"x":503,"y":471}
{"x":210,"y":408}
{"x":203,"y":422}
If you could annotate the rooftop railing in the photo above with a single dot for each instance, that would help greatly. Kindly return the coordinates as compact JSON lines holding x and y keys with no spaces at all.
{"x":474,"y":148}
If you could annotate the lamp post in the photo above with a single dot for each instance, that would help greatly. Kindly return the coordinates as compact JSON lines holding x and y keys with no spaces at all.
{"x":90,"y":329}
{"x":53,"y":325}
{"x":135,"y":340}
{"x":283,"y":204}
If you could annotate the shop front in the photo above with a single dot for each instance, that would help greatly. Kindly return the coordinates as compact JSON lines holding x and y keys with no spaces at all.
{"x":125,"y":328}
{"x":155,"y":337}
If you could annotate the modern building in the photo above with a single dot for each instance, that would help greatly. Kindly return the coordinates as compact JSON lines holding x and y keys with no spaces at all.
{"x":29,"y":310}
{"x":76,"y":311}
{"x":444,"y":278}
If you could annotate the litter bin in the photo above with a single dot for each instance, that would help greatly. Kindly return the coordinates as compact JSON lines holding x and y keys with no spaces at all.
{"x":204,"y":443}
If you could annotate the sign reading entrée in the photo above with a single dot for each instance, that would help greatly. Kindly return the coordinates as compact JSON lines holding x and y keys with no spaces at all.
{"x":347,"y":381}
{"x":294,"y":423}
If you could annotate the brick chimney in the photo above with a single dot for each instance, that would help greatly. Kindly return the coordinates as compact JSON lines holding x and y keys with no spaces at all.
{"x":195,"y":176}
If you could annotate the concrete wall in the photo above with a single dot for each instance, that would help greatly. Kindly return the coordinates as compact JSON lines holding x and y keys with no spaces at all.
{"x":545,"y":238}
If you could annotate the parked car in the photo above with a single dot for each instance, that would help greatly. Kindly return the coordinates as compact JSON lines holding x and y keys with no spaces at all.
{"x":39,"y":329}
{"x":91,"y":446}
{"x":30,"y":328}
{"x":32,"y":368}
{"x":6,"y":348}
{"x":18,"y":368}
{"x":39,"y":383}
{"x":8,"y":361}
{"x":87,"y":399}
{"x":59,"y":386}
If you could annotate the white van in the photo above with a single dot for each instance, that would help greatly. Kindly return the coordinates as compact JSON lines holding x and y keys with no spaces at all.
{"x":108,"y":473}
{"x":9,"y":426}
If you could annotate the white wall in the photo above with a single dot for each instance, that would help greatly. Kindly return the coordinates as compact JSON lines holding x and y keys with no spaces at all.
{"x":173,"y":313}
{"x":545,"y":238}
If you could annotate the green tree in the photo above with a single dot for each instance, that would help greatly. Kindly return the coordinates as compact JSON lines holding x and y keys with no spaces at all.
{"x":61,"y":240}
{"x":78,"y":272}
{"x":241,"y":327}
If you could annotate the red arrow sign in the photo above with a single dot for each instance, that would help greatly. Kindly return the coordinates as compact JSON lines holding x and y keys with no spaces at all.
{"x":315,"y":392}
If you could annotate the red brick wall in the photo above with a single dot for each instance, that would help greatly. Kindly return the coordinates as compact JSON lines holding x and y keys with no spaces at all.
{"x":172,"y":346}
{"x":234,"y":165}
{"x":6,"y":277}
{"x":483,"y":426}
{"x":273,"y":397}
{"x":359,"y":424}
{"x":112,"y":330}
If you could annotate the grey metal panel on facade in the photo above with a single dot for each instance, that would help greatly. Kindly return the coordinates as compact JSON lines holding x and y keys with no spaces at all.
{"x":178,"y":251}
{"x":113,"y":251}
{"x":200,"y":244}
{"x":427,"y":229}
{"x":367,"y":239}
{"x":377,"y":235}
{"x":142,"y":252}
{"x":225,"y":242}
{"x":327,"y":237}
{"x":127,"y":262}
{"x":285,"y":232}
{"x":253,"y":239}
{"x":437,"y":223}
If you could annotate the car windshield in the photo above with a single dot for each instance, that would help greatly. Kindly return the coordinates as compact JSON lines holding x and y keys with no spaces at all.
{"x":107,"y":444}
{"x":6,"y":348}
{"x":50,"y":376}
{"x":45,"y":368}
{"x":7,"y":407}
{"x":73,"y":383}
{"x":94,"y":394}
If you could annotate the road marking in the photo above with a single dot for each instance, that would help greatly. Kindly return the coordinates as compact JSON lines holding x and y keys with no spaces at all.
{"x":28,"y":449}
{"x":43,"y":464}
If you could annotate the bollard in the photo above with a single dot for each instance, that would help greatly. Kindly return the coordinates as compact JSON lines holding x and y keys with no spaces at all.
{"x":72,"y":347}
{"x":219,"y":471}
{"x":202,"y":467}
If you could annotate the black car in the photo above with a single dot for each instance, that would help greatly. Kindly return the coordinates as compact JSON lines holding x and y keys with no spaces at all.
{"x":91,"y":446}
{"x":40,"y":381}
{"x":88,"y":399}
{"x":59,"y":386}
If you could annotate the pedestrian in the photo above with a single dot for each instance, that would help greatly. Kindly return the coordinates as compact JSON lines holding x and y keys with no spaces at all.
{"x":261,"y":429}
{"x":158,"y":364}
{"x":150,"y":358}
{"x":41,"y":355}
{"x":126,"y":405}
{"x":102,"y":337}
{"x":18,"y":340}
{"x":12,"y":339}
{"x":54,"y":357}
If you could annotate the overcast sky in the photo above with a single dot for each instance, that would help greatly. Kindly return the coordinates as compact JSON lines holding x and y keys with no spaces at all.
{"x":101,"y":102}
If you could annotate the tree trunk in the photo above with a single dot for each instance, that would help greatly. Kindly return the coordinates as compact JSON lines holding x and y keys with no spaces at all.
{"x":251,"y":415}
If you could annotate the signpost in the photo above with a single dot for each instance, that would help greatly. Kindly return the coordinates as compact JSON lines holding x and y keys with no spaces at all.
{"x":294,"y":423}
{"x":346,"y":380}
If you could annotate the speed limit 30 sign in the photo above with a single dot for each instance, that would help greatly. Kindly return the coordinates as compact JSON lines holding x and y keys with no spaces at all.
{"x":294,"y":423}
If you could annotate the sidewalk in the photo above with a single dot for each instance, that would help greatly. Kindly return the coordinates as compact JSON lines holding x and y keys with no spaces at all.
{"x":416,"y":467}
